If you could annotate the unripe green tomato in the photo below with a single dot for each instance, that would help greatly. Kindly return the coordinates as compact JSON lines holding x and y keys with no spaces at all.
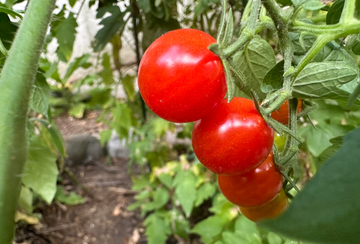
{"x":279,"y":141}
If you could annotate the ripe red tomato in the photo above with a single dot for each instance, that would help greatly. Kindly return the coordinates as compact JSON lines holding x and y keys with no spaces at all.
{"x":179,"y":78}
{"x":268,"y":211}
{"x":282,"y":114}
{"x":254,"y":188}
{"x":233,"y":138}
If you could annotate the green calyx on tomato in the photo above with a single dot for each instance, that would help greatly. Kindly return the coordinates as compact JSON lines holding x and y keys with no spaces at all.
{"x":233,"y":138}
{"x":179,"y":78}
{"x":253,"y":188}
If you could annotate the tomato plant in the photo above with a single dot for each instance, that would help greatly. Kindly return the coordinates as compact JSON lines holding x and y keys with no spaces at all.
{"x":233,"y":138}
{"x":282,"y":114}
{"x":254,"y":188}
{"x":179,"y":78}
{"x":267,"y":211}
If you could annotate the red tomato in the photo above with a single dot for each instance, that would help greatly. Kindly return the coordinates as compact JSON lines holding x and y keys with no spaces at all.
{"x":282,"y":114}
{"x":179,"y":78}
{"x":268,"y":211}
{"x":254,"y":188}
{"x":233,"y":138}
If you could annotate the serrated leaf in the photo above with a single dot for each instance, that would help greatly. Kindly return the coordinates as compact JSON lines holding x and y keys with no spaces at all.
{"x":39,"y":100}
{"x":69,"y":199}
{"x":107,"y":73}
{"x":179,"y":224}
{"x":185,"y":191}
{"x":128,"y":83}
{"x":334,"y":213}
{"x":26,"y":200}
{"x":273,"y":79}
{"x":40,"y":171}
{"x":324,"y":80}
{"x":65,"y":33}
{"x":160,"y":198}
{"x":77,"y":63}
{"x":210,"y":228}
{"x":157,"y":229}
{"x":254,"y":61}
{"x":204,"y":192}
{"x":78,"y":110}
{"x":111,"y":25}
{"x":122,"y":115}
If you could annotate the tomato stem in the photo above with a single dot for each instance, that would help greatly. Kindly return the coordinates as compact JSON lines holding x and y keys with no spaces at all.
{"x":16,"y":82}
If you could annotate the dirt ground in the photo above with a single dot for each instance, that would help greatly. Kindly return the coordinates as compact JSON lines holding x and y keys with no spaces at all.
{"x":103,"y":218}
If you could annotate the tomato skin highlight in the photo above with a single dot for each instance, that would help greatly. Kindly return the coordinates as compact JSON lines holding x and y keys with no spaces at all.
{"x":233,"y":138}
{"x":282,"y":114}
{"x":179,"y":78}
{"x":268,"y":211}
{"x":253,"y":188}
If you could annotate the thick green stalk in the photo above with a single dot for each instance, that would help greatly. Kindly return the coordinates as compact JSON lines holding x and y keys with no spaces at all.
{"x":16,"y":80}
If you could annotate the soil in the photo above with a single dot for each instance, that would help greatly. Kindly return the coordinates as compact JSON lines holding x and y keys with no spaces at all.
{"x":103,"y":218}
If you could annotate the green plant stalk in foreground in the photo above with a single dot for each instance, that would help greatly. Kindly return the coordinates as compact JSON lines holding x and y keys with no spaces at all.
{"x":16,"y":81}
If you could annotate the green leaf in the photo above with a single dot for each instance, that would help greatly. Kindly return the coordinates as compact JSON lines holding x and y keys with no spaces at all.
{"x":72,"y":2}
{"x":77,"y":63}
{"x":334,"y":13}
{"x":179,"y":224}
{"x":330,"y":151}
{"x":274,"y":238}
{"x":210,"y":228}
{"x":105,"y":136}
{"x":69,"y":199}
{"x":160,"y":198}
{"x":40,"y":172}
{"x":160,"y":126}
{"x":26,"y":200}
{"x":128,"y":83}
{"x":166,"y":179}
{"x":7,"y":33}
{"x":111,"y":25}
{"x":154,"y":28}
{"x":65,"y":33}
{"x":157,"y":229}
{"x":107,"y":73}
{"x":39,"y":100}
{"x":313,"y":5}
{"x":10,"y":12}
{"x":327,"y":210}
{"x":318,"y":139}
{"x":246,"y":225}
{"x":254,"y":62}
{"x":273,"y":79}
{"x":185,"y":191}
{"x":123,"y":119}
{"x":100,"y":96}
{"x":324,"y":80}
{"x":78,"y":110}
{"x":204,"y":192}
{"x":240,"y":237}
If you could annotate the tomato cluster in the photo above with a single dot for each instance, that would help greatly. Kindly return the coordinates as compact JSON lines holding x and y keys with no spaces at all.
{"x":182,"y":81}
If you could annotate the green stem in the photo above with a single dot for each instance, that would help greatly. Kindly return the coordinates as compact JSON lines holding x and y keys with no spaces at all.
{"x":247,"y":33}
{"x":316,"y":47}
{"x":348,"y":11}
{"x":16,"y":81}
